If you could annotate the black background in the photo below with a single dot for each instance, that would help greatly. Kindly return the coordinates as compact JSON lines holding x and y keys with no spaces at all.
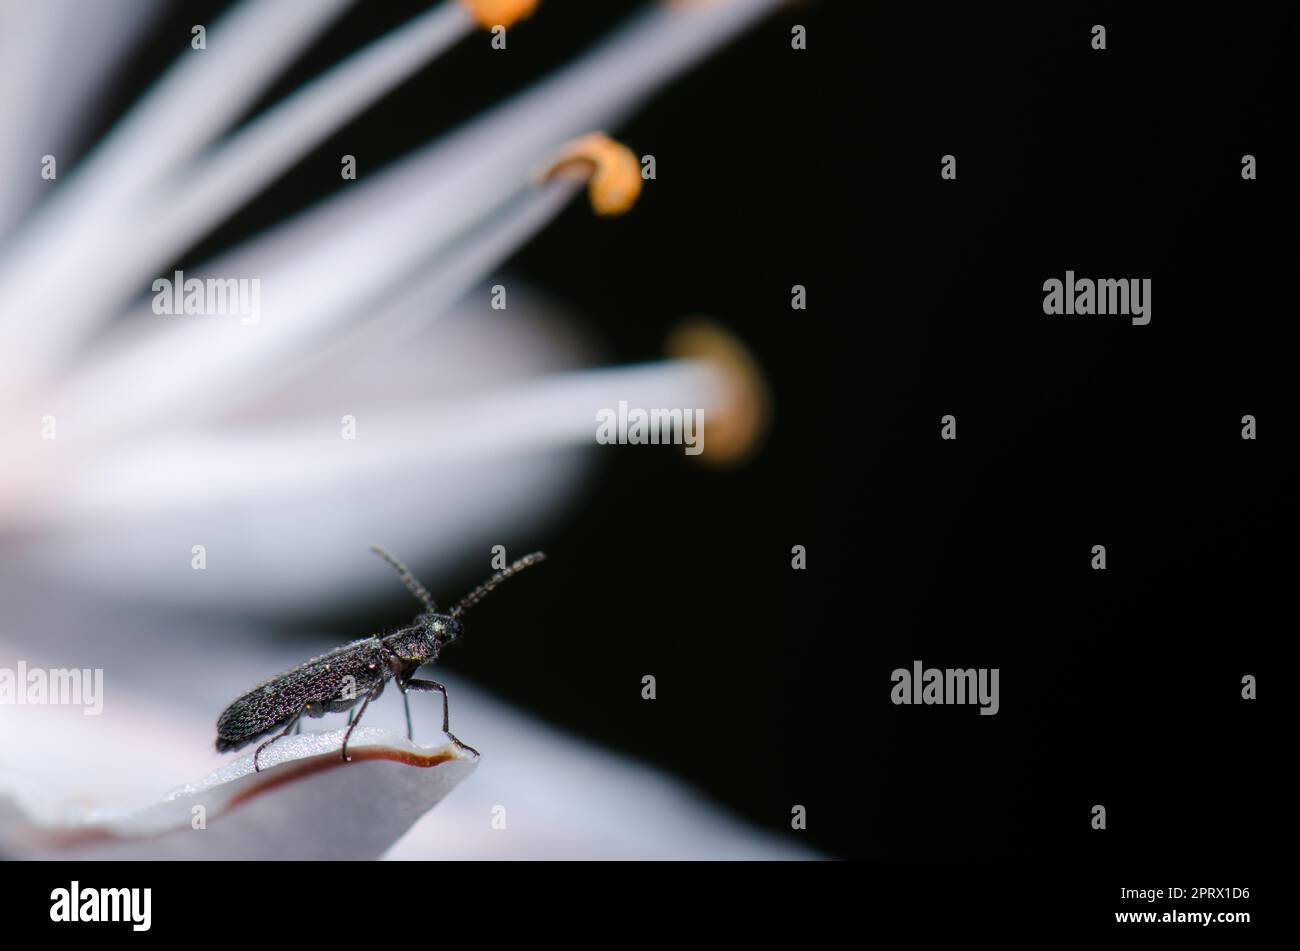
{"x":821,"y":168}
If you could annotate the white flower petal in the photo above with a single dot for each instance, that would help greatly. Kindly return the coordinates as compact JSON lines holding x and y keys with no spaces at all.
{"x":553,"y":796}
{"x":306,"y":803}
{"x":67,"y":49}
{"x":247,"y":48}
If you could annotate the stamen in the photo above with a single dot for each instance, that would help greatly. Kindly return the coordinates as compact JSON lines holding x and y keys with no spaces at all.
{"x":490,"y":13}
{"x":613,"y":172}
{"x":736,"y":428}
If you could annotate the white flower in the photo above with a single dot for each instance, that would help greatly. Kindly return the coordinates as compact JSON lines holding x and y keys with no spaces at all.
{"x":132,"y":444}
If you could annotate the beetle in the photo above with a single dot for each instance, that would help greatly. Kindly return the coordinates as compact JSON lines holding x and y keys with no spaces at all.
{"x":357,"y":672}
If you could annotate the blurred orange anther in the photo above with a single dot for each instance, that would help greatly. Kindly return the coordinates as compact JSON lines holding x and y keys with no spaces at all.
{"x":737,"y":425}
{"x":613,"y":171}
{"x":490,"y":13}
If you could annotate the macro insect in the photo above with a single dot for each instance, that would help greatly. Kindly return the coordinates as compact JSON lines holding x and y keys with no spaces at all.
{"x":356,"y":672}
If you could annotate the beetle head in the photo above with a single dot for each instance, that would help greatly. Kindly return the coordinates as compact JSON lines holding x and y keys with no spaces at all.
{"x":441,"y":630}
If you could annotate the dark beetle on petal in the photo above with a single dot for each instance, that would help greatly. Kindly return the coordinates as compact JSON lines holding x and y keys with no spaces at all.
{"x":356,"y":672}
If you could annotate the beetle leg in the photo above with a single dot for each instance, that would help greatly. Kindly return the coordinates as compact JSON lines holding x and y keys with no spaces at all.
{"x":379,"y":688}
{"x":406,"y":702}
{"x":398,"y":666}
{"x":413,"y":684}
{"x":285,"y":732}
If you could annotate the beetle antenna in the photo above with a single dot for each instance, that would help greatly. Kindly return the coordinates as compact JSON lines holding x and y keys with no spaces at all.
{"x":483,"y":590}
{"x":408,"y":579}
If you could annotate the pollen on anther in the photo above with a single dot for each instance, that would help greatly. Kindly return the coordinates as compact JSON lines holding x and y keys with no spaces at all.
{"x":740,"y":422}
{"x":490,"y":13}
{"x":612,"y":170}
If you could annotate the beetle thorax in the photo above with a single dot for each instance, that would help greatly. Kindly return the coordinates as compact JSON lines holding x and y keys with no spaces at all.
{"x":412,"y":644}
